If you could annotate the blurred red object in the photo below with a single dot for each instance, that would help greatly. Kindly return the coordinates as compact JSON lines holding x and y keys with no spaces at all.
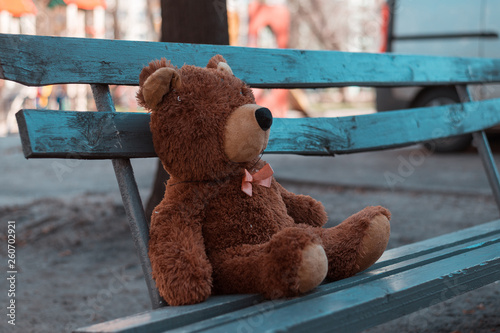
{"x":87,"y":4}
{"x":386,"y":16}
{"x":275,"y":100}
{"x":18,"y":7}
{"x":276,"y":17}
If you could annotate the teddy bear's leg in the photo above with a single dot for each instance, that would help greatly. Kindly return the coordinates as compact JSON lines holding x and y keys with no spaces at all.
{"x":303,"y":208}
{"x":292,"y":262}
{"x":180,"y":266}
{"x":357,"y":243}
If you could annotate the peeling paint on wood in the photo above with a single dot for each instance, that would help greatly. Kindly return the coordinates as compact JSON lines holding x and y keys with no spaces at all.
{"x":42,"y":60}
{"x":98,"y":135}
{"x":85,"y":135}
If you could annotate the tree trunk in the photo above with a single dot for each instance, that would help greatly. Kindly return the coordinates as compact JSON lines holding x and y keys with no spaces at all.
{"x":194,"y":21}
{"x":188,"y":21}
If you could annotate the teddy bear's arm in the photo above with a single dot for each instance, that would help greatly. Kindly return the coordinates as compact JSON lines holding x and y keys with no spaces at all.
{"x":180,"y":265}
{"x":303,"y":208}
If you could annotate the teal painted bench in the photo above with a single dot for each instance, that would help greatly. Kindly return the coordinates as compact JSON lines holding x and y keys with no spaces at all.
{"x":404,"y":280}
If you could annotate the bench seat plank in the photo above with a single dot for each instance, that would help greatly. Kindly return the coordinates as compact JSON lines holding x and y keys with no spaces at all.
{"x":92,"y":135}
{"x":175,"y":316}
{"x":373,"y":297}
{"x":369,"y":296}
{"x":378,"y":301}
{"x":463,"y":236}
{"x":239,"y":320}
{"x":43,"y":60}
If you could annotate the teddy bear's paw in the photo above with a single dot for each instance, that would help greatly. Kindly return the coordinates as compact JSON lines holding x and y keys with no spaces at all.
{"x":313,"y":268}
{"x":374,"y":242}
{"x":185,"y":294}
{"x":182,"y":277}
{"x":356,"y":243}
{"x":295,"y":263}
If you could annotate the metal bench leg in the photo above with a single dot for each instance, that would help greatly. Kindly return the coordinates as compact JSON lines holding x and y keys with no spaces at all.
{"x":483,"y":147}
{"x":131,"y":200}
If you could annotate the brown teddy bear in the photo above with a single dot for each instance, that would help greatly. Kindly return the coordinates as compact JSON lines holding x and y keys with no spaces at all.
{"x":225,"y":225}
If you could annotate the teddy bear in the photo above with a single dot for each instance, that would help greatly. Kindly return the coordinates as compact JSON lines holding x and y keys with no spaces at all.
{"x":225,"y":225}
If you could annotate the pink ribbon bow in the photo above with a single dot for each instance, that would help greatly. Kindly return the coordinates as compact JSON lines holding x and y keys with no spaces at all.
{"x":262,"y":177}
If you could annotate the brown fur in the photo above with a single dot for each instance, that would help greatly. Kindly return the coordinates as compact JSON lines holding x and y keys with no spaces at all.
{"x":207,"y":236}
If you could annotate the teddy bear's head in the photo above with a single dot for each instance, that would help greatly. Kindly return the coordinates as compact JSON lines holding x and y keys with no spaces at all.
{"x":204,"y":121}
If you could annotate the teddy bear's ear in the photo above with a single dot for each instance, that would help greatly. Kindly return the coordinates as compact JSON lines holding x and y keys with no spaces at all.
{"x":219,"y":63}
{"x":224,"y":67}
{"x":158,"y":84}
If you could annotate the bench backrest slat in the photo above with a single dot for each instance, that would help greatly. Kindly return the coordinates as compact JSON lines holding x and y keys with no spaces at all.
{"x":43,"y":60}
{"x":88,"y":135}
{"x":99,"y":135}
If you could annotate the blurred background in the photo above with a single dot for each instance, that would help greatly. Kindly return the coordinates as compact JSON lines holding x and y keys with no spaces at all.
{"x":446,"y":27}
{"x":345,"y":25}
{"x":73,"y":237}
{"x":401,"y":26}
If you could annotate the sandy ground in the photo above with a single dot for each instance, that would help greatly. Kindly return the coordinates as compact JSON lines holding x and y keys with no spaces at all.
{"x":77,"y":266}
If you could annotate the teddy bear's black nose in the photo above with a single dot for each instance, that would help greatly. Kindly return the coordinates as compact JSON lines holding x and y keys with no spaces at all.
{"x":264,"y":118}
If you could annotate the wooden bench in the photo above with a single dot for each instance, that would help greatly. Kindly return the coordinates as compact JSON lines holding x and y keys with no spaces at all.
{"x":404,"y":280}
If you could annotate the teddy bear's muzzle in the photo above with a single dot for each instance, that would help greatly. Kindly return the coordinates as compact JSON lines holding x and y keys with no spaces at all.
{"x":247,"y":132}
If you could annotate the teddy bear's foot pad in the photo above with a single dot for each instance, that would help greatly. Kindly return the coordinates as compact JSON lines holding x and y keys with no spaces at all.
{"x":374,"y":242}
{"x":313,"y":268}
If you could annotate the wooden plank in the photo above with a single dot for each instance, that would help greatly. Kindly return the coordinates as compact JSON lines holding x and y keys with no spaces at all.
{"x":24,"y":133}
{"x":324,"y":136}
{"x":90,"y":135}
{"x":435,"y":251}
{"x":387,"y":269}
{"x":369,"y":303}
{"x":174,"y":316}
{"x":419,"y":253}
{"x":85,"y":135}
{"x":42,"y":60}
{"x":459,"y":237}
